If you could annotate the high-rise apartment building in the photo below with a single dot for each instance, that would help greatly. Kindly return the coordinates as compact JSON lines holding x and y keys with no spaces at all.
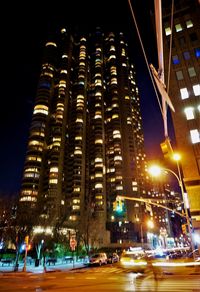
{"x":86,"y":141}
{"x":184,"y":91}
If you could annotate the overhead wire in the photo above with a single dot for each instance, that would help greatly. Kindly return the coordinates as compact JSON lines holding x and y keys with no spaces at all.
{"x":170,"y":46}
{"x":145,"y":57}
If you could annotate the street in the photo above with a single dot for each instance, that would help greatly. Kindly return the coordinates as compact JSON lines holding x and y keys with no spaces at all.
{"x":105,"y":278}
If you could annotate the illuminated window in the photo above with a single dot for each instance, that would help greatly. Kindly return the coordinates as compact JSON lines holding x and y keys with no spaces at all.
{"x":54,"y":169}
{"x":98,"y":186}
{"x":189,"y":24}
{"x":98,"y":174}
{"x":116,"y":116}
{"x":167,"y":31}
{"x":53,"y":181}
{"x":98,"y":159}
{"x":98,"y":141}
{"x":186,"y":55}
{"x":78,"y":120}
{"x":119,"y":188}
{"x":197,"y":52}
{"x":41,"y":109}
{"x":189,"y":111}
{"x":50,"y":44}
{"x":196,"y":89}
{"x":75,"y":207}
{"x":116,"y":134}
{"x":78,"y":152}
{"x":191,"y":72}
{"x":76,"y":189}
{"x":175,"y":60}
{"x":78,"y":138}
{"x":179,"y":75}
{"x":195,"y":136}
{"x":184,"y":93}
{"x":178,"y":27}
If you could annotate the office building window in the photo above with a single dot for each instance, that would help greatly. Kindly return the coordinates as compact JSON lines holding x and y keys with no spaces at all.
{"x":181,"y":41}
{"x":189,"y":23}
{"x":195,"y":136}
{"x":191,"y":72}
{"x":186,"y":55}
{"x":167,"y":31}
{"x":197,"y":52}
{"x":184,"y":93}
{"x":175,"y":60}
{"x":193,"y":37}
{"x":179,"y":75}
{"x":189,"y":112}
{"x":178,"y":27}
{"x":196,"y":89}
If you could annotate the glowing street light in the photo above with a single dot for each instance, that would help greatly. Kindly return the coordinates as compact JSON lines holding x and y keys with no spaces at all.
{"x":156,"y":170}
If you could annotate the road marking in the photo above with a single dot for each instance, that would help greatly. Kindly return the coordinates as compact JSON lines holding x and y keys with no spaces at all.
{"x":69,"y":277}
{"x":51,"y":277}
{"x":90,"y":278}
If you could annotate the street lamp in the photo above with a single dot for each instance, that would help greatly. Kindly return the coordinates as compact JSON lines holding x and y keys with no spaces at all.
{"x":155,"y":170}
{"x":149,"y":224}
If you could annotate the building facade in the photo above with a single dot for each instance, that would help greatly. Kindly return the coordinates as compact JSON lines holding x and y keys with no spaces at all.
{"x":184,"y":91}
{"x":86,"y":141}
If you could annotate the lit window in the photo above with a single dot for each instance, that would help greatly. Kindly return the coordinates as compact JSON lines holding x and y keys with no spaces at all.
{"x":54,"y":169}
{"x":119,"y":188}
{"x":40,"y":109}
{"x":197,"y":52}
{"x":50,"y":44}
{"x":78,"y":138}
{"x":98,"y":186}
{"x":195,"y":137}
{"x":184,"y":93}
{"x":167,"y":31}
{"x":178,"y":27}
{"x":179,"y":75}
{"x":98,"y":175}
{"x":76,"y":189}
{"x":98,"y":159}
{"x":186,"y":55}
{"x":99,"y":141}
{"x":78,"y":152}
{"x":189,"y":111}
{"x":196,"y":89}
{"x":191,"y":72}
{"x":53,"y":181}
{"x":189,"y":24}
{"x":115,"y":116}
{"x":118,"y":157}
{"x":175,"y":60}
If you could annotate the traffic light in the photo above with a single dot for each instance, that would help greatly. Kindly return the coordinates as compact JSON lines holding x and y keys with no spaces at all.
{"x":166,"y":148}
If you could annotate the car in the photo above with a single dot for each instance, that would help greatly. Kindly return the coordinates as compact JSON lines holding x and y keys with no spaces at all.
{"x":98,"y":259}
{"x":113,"y":258}
{"x":135,"y":261}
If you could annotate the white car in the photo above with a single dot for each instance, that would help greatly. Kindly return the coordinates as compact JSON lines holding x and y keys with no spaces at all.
{"x":98,"y":259}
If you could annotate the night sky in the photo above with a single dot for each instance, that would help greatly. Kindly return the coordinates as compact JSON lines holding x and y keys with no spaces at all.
{"x":24,"y":31}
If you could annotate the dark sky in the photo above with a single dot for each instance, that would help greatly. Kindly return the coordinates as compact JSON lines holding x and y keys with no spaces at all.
{"x":24,"y":31}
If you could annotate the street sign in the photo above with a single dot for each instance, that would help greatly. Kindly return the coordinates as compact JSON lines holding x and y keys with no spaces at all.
{"x":73,"y":243}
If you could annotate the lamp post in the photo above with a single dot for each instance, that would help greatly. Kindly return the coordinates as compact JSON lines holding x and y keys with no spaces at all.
{"x":155,"y":170}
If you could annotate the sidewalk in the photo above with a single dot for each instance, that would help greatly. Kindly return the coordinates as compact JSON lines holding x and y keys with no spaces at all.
{"x":30,"y":268}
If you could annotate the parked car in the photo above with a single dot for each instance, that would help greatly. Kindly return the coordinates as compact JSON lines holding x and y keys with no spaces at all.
{"x":98,"y":259}
{"x":112,"y":258}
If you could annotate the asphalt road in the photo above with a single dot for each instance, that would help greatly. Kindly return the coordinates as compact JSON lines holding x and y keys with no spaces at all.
{"x":105,"y":278}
